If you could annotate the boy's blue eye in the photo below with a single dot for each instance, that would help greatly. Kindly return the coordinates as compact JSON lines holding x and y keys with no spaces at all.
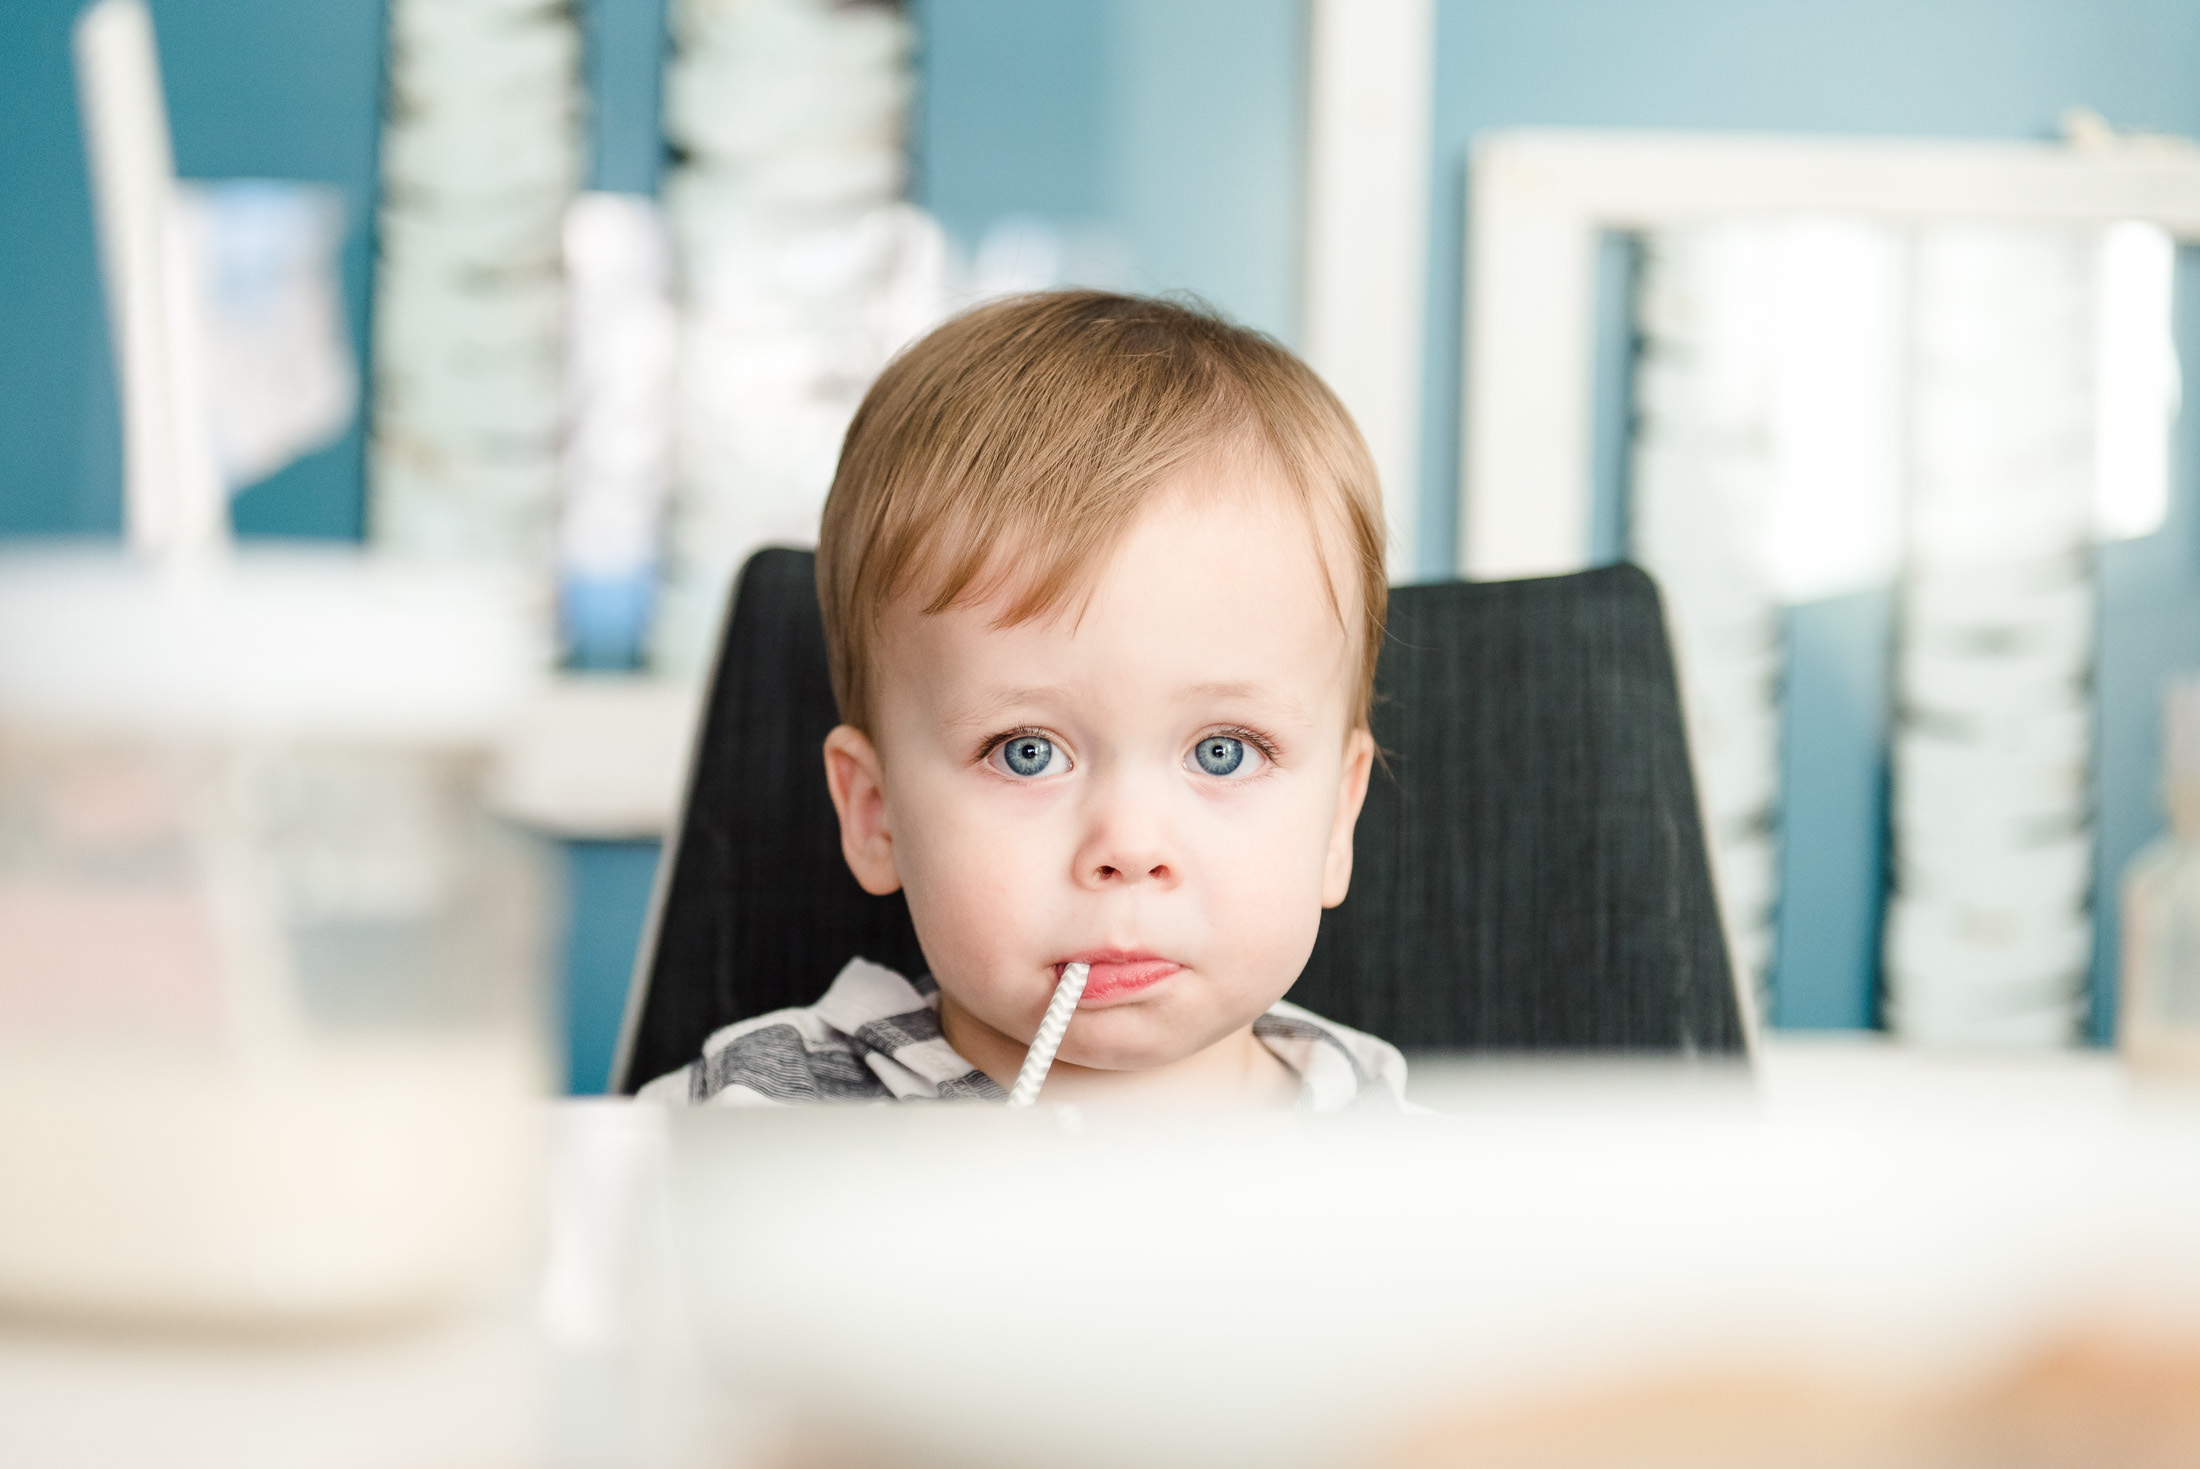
{"x":1028,"y":755}
{"x":1219,"y":754}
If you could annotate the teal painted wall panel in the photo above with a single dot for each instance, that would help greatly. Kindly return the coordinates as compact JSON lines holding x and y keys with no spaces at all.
{"x":60,"y":449}
{"x":608,"y":886}
{"x":1166,"y":140}
{"x":1011,"y":112}
{"x":624,"y":45}
{"x":256,"y":89}
{"x":1208,"y":153}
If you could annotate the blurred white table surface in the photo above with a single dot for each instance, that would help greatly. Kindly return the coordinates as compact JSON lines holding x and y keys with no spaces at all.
{"x":599,"y":756}
{"x":596,"y":1362}
{"x":577,"y":1366}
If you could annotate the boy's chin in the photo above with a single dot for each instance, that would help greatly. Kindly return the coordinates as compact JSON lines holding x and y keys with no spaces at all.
{"x":1121,"y":1058}
{"x":1123,"y":1040}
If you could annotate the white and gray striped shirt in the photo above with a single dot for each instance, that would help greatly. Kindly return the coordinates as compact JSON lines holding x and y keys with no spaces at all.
{"x":875,"y":1037}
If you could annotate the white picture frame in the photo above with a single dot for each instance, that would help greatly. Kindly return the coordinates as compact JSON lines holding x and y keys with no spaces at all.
{"x":1539,"y":199}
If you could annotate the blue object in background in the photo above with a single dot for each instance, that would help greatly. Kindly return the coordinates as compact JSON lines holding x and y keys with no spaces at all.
{"x":608,"y":885}
{"x":604,"y":620}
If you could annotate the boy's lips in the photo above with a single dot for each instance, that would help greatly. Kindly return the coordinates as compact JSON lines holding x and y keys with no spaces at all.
{"x":1118,"y":973}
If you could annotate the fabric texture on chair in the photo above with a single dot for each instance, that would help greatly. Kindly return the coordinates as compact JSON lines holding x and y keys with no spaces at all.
{"x":1529,"y":870}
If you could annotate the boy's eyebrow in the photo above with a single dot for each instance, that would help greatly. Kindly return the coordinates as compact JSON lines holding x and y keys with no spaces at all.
{"x":1227,"y":691}
{"x":988,"y":709}
{"x":1251,"y":693}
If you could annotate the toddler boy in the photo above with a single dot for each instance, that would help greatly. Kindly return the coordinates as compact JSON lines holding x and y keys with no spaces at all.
{"x":1102,"y":581}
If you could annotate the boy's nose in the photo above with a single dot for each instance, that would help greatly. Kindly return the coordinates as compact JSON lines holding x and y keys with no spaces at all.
{"x":1127,"y":843}
{"x":1133,"y":868}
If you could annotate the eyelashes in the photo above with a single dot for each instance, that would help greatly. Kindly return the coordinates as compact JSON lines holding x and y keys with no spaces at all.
{"x":1252,"y":737}
{"x":1229,"y":755}
{"x":1030,"y":753}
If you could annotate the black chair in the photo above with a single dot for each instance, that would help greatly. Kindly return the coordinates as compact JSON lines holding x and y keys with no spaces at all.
{"x":1529,"y":871}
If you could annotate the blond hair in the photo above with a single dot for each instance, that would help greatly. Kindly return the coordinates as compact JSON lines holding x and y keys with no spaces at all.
{"x":1041,"y":426}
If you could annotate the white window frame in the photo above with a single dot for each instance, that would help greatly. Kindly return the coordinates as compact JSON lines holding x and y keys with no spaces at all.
{"x":1540,"y":198}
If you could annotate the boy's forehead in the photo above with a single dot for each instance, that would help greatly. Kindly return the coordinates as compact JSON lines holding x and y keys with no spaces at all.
{"x":1024,"y":574}
{"x":1222,"y":592}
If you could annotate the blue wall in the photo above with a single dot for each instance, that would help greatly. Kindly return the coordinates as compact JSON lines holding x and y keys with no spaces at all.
{"x":607,"y":887}
{"x":256,"y":88}
{"x":60,"y":455}
{"x":1166,"y":138}
{"x":624,"y":49}
{"x":1954,"y":68}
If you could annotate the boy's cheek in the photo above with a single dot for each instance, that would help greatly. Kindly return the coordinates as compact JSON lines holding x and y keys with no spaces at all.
{"x":981,"y":897}
{"x":966,"y":843}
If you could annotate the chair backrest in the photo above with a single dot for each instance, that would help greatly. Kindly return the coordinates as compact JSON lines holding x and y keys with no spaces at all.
{"x":1530,"y":874}
{"x":1529,"y":869}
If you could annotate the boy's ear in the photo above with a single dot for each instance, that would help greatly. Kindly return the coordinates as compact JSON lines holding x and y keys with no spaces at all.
{"x":1359,"y":761}
{"x":853,"y":775}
